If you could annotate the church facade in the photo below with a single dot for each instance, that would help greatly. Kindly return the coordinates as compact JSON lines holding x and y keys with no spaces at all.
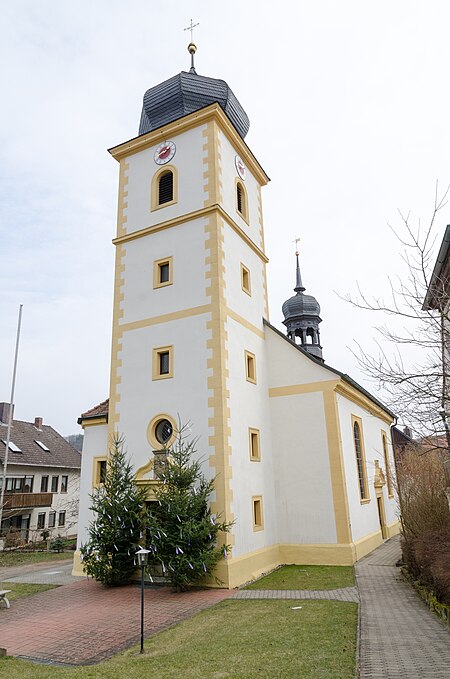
{"x":301,"y":455}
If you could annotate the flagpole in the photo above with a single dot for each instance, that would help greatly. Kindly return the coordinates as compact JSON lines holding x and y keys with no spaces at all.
{"x":10,"y":416}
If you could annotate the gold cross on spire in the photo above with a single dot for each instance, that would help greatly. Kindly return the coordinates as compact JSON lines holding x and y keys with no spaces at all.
{"x":296,"y":241}
{"x":191,"y":29}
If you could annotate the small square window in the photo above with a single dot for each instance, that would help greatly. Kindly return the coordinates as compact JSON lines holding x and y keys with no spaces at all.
{"x":99,"y":470}
{"x":250,"y":367}
{"x":254,"y":443}
{"x":41,"y":521}
{"x":62,"y":519}
{"x":245,"y":280}
{"x":258,"y":520}
{"x":44,"y":484}
{"x":64,"y":483}
{"x":162,"y":363}
{"x":55,"y":483}
{"x":52,"y":519}
{"x":163,"y":272}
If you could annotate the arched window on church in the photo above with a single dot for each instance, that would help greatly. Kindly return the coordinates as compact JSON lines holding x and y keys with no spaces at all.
{"x":164,"y":189}
{"x":360,"y":461}
{"x":241,"y":200}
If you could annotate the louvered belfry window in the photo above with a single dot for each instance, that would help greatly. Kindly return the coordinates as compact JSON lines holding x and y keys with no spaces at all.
{"x":240,"y":199}
{"x":165,"y":188}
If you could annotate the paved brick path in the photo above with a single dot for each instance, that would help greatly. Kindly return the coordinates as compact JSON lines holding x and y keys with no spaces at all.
{"x":400,"y":637}
{"x":84,"y":623}
{"x":344,"y":594}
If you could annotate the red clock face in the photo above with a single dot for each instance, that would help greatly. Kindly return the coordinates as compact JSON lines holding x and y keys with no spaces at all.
{"x":240,"y":167}
{"x":165,"y":152}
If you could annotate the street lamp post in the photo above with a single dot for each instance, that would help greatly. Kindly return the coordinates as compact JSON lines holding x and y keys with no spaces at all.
{"x":142,"y":558}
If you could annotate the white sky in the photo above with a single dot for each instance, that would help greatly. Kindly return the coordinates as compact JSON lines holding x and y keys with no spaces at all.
{"x":349,"y":115}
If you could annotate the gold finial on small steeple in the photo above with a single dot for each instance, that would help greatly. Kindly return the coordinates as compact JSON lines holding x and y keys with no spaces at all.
{"x":192,"y":48}
{"x":296,"y":241}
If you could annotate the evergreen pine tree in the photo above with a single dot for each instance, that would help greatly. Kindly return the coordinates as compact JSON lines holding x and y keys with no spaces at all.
{"x":181,"y":531}
{"x":114,"y":534}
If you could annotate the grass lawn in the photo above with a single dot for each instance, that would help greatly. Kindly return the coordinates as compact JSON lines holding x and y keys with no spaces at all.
{"x":23,"y":558}
{"x":232,"y":640}
{"x":306,"y":577}
{"x":19,"y":590}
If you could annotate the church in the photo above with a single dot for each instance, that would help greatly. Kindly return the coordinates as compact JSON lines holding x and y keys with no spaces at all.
{"x":301,"y":454}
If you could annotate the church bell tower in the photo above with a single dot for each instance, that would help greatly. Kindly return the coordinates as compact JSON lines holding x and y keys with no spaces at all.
{"x":190,"y":294}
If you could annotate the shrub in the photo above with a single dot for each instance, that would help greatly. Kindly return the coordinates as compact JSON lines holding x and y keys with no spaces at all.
{"x":182,"y":532}
{"x":119,"y":508}
{"x":432,"y":560}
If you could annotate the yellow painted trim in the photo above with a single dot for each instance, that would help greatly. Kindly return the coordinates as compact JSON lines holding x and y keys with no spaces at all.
{"x":122,"y":201}
{"x":254,"y":444}
{"x":213,"y":165}
{"x":116,"y":362}
{"x":387,"y":463}
{"x":156,"y":353}
{"x":93,"y":422}
{"x":157,"y":265}
{"x":362,"y":400}
{"x":210,"y":113}
{"x":216,"y":346}
{"x":381,"y":512}
{"x":166,"y":318}
{"x":145,"y":469}
{"x":96,"y":469}
{"x":77,"y":566}
{"x":246,"y":283}
{"x":393,"y":529}
{"x":189,"y":217}
{"x":337,"y":469}
{"x":246,"y":324}
{"x":366,"y":498}
{"x":292,"y":389}
{"x":250,"y":366}
{"x":154,"y":188}
{"x":257,"y":513}
{"x":367,"y":544}
{"x":151,"y":437}
{"x":244,"y":200}
{"x":317,"y":554}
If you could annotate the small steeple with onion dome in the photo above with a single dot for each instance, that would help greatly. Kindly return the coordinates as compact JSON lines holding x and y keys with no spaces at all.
{"x":302,"y":317}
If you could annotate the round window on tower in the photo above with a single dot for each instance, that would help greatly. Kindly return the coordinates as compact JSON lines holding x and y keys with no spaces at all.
{"x":161,"y":431}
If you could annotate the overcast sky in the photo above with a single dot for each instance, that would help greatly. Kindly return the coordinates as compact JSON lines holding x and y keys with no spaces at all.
{"x":349,"y":115}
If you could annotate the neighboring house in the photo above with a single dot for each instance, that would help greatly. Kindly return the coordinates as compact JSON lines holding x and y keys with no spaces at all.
{"x":42,"y":481}
{"x":301,"y":454}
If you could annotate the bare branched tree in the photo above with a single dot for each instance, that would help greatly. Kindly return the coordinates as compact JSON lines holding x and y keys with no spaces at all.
{"x":415,"y":388}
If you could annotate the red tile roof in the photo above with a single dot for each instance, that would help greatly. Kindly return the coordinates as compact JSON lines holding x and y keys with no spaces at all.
{"x":100,"y":410}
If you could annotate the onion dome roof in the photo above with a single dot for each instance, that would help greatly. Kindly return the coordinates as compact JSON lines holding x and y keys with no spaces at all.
{"x":300,"y":304}
{"x":185,"y":93}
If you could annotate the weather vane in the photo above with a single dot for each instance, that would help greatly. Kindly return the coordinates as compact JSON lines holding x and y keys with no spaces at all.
{"x":191,"y":29}
{"x":296,"y":241}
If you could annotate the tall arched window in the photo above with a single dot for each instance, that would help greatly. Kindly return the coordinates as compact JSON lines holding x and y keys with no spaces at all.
{"x":387,"y":466}
{"x":165,"y":187}
{"x":241,"y":200}
{"x":360,"y":461}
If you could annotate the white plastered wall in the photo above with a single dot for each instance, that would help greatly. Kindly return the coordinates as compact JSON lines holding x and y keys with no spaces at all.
{"x":188,"y":160}
{"x":185,"y":243}
{"x":95,"y":444}
{"x":364,"y":517}
{"x":300,"y":447}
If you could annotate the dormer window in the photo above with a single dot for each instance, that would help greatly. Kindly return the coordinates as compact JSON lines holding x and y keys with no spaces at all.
{"x":241,"y":200}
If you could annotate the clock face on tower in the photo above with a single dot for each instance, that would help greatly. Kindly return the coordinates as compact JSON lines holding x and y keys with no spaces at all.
{"x":240,"y":167}
{"x":165,"y":152}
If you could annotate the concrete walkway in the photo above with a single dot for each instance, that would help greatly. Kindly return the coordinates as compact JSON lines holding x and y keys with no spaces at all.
{"x":50,"y":573}
{"x":400,"y":637}
{"x":343,"y":594}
